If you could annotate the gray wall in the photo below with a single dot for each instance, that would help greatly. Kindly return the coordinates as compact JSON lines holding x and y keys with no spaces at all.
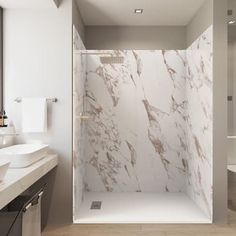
{"x":232,"y":33}
{"x":200,"y":22}
{"x":150,"y":37}
{"x":77,"y":20}
{"x":220,"y":111}
{"x":135,"y":37}
{"x":232,"y":92}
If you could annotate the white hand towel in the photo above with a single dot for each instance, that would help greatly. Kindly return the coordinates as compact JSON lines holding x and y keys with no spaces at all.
{"x":34,"y":115}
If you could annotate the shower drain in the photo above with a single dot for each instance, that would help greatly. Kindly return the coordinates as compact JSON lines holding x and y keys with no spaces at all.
{"x":96,"y":205}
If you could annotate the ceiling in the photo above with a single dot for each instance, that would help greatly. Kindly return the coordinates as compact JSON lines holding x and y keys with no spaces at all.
{"x":27,"y":3}
{"x":121,"y":12}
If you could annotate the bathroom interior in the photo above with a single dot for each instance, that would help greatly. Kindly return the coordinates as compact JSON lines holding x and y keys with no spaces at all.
{"x":120,"y":109}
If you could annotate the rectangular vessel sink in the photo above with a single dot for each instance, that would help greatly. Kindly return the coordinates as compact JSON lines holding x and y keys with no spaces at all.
{"x":23,"y":155}
{"x":4,"y":165}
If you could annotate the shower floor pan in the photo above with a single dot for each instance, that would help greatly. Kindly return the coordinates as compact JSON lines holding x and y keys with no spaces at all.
{"x":136,"y":208}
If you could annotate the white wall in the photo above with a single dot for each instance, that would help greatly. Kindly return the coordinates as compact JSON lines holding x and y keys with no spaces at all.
{"x":38,"y":63}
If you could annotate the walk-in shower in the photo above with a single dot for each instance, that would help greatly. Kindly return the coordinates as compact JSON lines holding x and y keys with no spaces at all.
{"x":142,"y":134}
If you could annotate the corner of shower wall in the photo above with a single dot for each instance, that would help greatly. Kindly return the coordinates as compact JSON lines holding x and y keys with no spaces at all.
{"x":79,"y":74}
{"x":199,"y":93}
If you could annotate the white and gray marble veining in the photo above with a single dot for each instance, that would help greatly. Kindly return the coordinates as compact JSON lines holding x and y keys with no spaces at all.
{"x":79,"y":75}
{"x":150,"y":125}
{"x":199,"y":87}
{"x":136,"y":129}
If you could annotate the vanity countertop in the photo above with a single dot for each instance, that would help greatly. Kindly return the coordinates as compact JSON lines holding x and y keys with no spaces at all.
{"x":18,"y":180}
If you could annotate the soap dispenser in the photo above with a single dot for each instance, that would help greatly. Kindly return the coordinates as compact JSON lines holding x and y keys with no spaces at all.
{"x":3,"y":119}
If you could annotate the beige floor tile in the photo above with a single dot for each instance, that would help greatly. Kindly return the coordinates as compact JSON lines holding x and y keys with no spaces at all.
{"x":189,"y":233}
{"x":112,"y":233}
{"x":109,"y":227}
{"x":145,"y":229}
{"x":151,"y":233}
{"x":221,"y":234}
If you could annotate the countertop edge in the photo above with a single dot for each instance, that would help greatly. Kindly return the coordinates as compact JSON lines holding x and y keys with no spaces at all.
{"x":19,"y":180}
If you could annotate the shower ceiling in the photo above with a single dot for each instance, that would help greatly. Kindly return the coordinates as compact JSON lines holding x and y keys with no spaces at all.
{"x":156,"y":12}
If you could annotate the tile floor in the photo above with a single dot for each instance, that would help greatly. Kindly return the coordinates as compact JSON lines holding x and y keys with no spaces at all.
{"x":145,"y":229}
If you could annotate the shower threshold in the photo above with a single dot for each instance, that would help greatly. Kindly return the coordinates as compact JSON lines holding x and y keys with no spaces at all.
{"x":136,"y":208}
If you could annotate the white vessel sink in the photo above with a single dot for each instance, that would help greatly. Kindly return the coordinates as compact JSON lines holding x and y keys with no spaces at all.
{"x":23,"y":155}
{"x":4,"y":165}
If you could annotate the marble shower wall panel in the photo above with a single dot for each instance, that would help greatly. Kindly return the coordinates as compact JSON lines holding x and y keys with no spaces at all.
{"x":136,"y":135}
{"x":199,"y":87}
{"x":79,"y":75}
